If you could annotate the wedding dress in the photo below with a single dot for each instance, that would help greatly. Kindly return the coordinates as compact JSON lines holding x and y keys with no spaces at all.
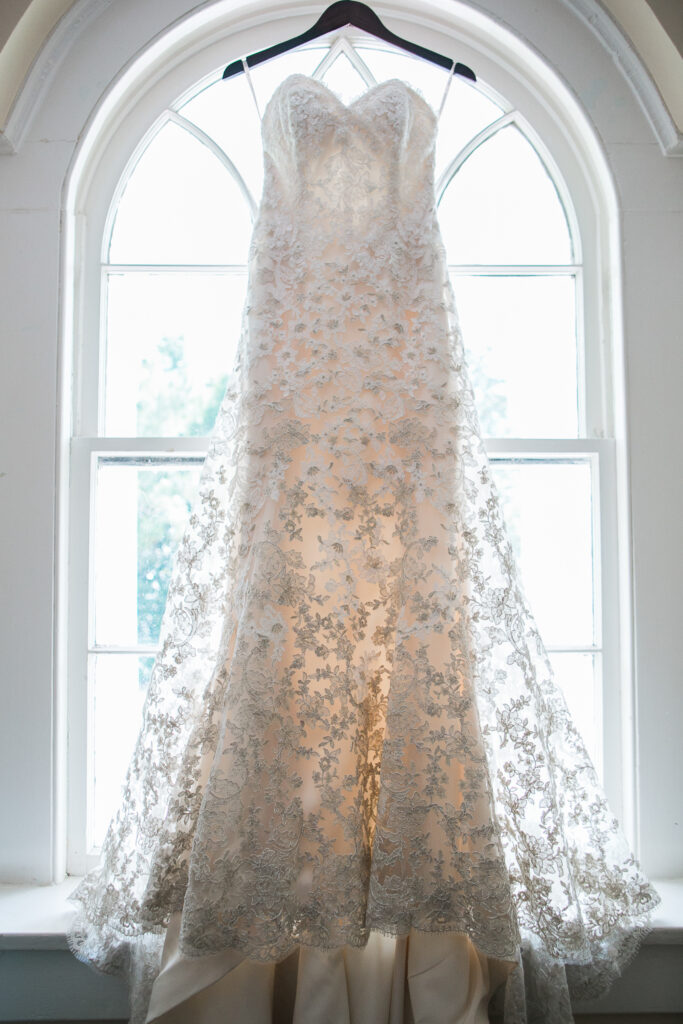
{"x":357,"y":794}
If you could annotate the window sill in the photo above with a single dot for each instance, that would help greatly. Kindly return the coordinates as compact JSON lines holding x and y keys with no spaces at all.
{"x":34,"y":919}
{"x":36,"y":916}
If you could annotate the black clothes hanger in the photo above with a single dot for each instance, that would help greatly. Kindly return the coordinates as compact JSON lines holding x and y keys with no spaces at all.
{"x":337,"y":15}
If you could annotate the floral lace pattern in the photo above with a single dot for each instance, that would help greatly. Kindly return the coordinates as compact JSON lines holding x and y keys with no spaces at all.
{"x":352,"y":723}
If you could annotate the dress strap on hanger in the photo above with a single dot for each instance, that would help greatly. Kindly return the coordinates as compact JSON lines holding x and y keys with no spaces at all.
{"x":251,"y":86}
{"x":445,"y":94}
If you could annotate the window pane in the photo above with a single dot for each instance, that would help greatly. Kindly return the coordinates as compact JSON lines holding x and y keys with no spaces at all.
{"x":520,"y":337}
{"x":579,"y":677}
{"x":171,"y":341}
{"x":226,"y":111}
{"x":466,"y":112}
{"x":180,"y":205}
{"x":343,"y":79}
{"x":548,"y":511}
{"x":118,"y":683}
{"x":141,"y":510}
{"x":502,"y":207}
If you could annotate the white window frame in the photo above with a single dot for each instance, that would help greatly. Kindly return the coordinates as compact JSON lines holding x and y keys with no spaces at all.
{"x":532,"y":114}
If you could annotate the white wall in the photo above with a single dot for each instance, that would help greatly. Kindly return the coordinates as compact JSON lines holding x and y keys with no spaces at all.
{"x":650,"y":192}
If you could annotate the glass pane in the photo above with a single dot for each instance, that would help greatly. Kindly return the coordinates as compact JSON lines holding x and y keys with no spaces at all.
{"x":579,"y":677}
{"x":141,"y":510}
{"x":226,"y":111}
{"x":548,"y":511}
{"x":502,"y":207}
{"x":520,"y":337}
{"x":467,"y":109}
{"x":171,"y":341}
{"x":118,"y":683}
{"x":180,"y":205}
{"x":466,"y":112}
{"x":343,"y":79}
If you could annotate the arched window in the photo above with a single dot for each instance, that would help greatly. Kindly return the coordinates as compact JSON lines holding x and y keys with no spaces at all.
{"x":163,"y":283}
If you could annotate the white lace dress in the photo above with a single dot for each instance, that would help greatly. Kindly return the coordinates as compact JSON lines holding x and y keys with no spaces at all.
{"x":353,"y":757}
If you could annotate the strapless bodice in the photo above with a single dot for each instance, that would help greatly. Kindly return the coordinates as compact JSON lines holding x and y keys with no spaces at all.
{"x":363,"y":167}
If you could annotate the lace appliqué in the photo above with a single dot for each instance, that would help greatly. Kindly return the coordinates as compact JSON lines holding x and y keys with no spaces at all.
{"x":352,"y":723}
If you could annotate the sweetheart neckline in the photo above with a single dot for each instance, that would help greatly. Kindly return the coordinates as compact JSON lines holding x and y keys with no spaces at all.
{"x":349,"y":107}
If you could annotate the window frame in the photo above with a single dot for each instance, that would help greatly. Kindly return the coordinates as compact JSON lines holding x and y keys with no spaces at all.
{"x":531,"y":116}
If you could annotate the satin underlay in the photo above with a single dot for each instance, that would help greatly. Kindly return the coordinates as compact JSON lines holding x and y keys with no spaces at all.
{"x":419,"y":978}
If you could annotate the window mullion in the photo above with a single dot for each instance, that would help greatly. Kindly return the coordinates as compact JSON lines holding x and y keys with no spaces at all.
{"x":95,"y":648}
{"x":88,"y":318}
{"x":617,"y":693}
{"x":142,"y":445}
{"x":238,"y":269}
{"x":102,"y":349}
{"x":546,"y":446}
{"x":513,"y":269}
{"x":77,"y":655}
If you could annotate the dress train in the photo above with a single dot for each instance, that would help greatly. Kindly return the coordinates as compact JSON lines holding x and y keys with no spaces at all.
{"x":419,"y":978}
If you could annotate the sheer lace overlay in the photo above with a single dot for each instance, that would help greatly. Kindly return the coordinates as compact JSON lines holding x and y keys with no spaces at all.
{"x":352,"y":724}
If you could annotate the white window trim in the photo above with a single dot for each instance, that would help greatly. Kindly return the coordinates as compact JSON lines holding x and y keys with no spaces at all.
{"x":581,"y":167}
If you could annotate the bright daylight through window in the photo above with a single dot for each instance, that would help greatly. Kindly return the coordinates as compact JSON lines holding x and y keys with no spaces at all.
{"x":174,"y":272}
